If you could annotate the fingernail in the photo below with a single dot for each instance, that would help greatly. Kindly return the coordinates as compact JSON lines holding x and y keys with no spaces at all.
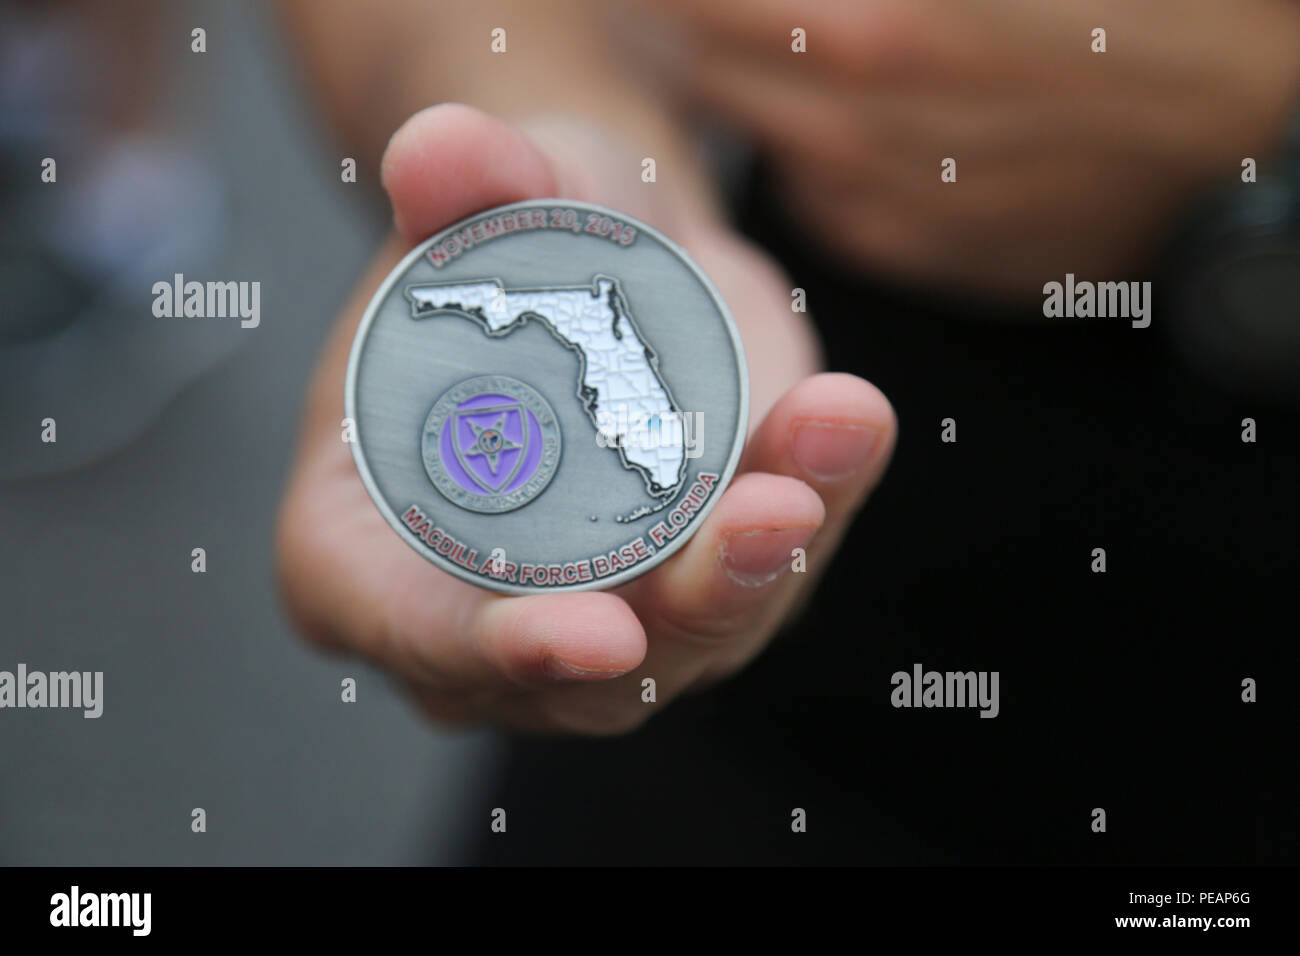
{"x":560,"y":670}
{"x":755,"y":558}
{"x":830,"y":451}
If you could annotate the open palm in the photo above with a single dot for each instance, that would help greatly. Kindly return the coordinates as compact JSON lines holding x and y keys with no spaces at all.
{"x":575,"y":661}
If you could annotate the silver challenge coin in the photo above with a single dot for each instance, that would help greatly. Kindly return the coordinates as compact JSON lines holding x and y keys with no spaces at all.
{"x":547,"y":396}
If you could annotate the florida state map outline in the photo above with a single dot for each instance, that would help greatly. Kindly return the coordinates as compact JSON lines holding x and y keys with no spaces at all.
{"x":562,"y":310}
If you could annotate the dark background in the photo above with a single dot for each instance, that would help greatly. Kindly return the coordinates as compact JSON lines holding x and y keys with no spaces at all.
{"x":1119,"y":690}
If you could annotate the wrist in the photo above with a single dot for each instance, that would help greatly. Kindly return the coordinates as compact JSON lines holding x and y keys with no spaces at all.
{"x":1257,"y":99}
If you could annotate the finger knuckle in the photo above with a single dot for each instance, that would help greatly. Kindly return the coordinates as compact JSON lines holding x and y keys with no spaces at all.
{"x":706,"y":626}
{"x":876,"y":41}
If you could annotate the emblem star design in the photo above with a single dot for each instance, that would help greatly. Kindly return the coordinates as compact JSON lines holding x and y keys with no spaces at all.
{"x":490,"y":442}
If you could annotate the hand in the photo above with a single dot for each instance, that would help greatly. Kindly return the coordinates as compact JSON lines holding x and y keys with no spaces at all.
{"x":574,"y":661}
{"x":1066,"y":160}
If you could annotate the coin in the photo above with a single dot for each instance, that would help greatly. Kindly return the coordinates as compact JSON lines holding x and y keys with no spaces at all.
{"x":546,"y":396}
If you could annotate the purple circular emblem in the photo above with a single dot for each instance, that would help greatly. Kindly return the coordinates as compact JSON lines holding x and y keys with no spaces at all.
{"x":491,"y":444}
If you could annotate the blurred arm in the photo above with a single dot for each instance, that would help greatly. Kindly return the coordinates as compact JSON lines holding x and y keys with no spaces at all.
{"x":375,"y":63}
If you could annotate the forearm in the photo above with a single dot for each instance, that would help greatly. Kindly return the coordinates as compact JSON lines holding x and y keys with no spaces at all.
{"x":373,"y":64}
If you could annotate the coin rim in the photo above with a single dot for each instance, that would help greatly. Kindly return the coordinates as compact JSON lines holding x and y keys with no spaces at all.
{"x":486,"y":581}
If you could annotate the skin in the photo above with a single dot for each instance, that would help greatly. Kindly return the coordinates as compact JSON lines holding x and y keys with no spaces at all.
{"x":1067,"y":161}
{"x":574,"y":662}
